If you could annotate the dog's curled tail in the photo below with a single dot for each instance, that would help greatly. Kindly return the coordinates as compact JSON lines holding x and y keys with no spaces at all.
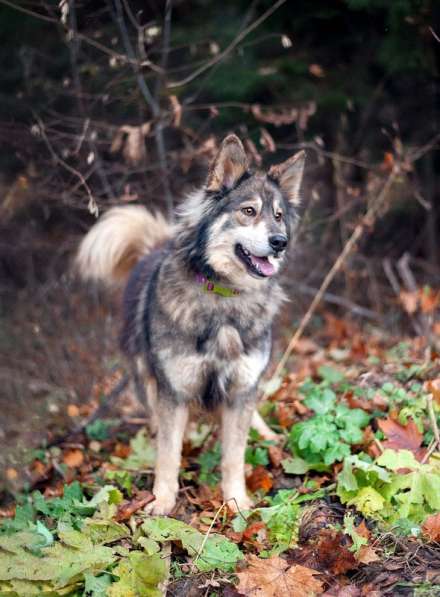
{"x":114,"y":245}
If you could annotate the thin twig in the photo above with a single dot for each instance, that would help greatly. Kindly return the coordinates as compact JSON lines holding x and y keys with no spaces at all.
{"x":339,"y":300}
{"x":205,"y":538}
{"x":229,"y":48}
{"x":152,"y":101}
{"x":93,"y":207}
{"x":88,"y":40}
{"x":434,"y":34}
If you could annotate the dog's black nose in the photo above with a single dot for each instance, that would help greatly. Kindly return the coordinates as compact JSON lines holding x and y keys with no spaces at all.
{"x":278,"y":242}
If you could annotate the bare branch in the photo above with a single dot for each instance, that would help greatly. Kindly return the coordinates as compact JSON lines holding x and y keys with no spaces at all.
{"x":229,"y":48}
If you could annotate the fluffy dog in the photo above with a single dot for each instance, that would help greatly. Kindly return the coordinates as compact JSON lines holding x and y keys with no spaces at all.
{"x":199,"y":303}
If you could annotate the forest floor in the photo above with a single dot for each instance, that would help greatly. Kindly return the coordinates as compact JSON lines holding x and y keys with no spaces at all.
{"x":347,"y":502}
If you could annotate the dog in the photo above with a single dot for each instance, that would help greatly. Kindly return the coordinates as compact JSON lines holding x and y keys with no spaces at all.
{"x":199,"y":303}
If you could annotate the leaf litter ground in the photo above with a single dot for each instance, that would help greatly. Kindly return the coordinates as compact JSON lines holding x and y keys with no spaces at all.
{"x":347,"y":502}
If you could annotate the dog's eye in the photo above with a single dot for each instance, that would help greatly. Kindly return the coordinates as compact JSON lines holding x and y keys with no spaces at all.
{"x":278,"y":216}
{"x":249,"y":211}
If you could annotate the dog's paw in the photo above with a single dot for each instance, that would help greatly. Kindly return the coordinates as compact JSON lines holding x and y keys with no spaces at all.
{"x":162,"y":505}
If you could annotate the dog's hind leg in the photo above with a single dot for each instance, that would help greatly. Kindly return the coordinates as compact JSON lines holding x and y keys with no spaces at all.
{"x":145,"y":389}
{"x":172,"y":421}
{"x":263,"y":429}
{"x":236,"y":421}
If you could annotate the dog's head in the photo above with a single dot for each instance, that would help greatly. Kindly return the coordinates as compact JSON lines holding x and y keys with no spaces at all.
{"x":245,"y":221}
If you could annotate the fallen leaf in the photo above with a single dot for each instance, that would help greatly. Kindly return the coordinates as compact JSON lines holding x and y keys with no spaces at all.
{"x":11,"y":473}
{"x":253,"y":529}
{"x":273,"y":577}
{"x":367,"y":555}
{"x":266,"y":140}
{"x":73,"y":458}
{"x":429,"y":300}
{"x":409,"y":301}
{"x":306,"y":346}
{"x":259,"y":479}
{"x":316,"y":71}
{"x":275,"y":456}
{"x":431,"y":527}
{"x":128,"y":507}
{"x":176,"y":107}
{"x":327,"y":551}
{"x":347,"y":591}
{"x":433,"y":386}
{"x":402,"y":437}
{"x":73,"y":410}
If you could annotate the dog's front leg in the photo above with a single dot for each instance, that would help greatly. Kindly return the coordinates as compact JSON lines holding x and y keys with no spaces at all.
{"x":236,"y":421}
{"x":171,"y":421}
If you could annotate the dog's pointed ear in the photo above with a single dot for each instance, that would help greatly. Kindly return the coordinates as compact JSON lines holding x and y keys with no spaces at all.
{"x":228,"y":166}
{"x":288,"y":176}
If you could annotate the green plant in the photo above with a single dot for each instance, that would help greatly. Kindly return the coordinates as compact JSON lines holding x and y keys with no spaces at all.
{"x":327,"y":436}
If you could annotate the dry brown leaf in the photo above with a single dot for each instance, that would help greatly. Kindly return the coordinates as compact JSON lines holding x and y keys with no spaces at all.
{"x":131,"y":139}
{"x":267,"y":141}
{"x":347,"y":591}
{"x":431,"y":527}
{"x":433,"y":387}
{"x":277,"y":117}
{"x":73,"y":410}
{"x":366,"y":555}
{"x":275,"y":456}
{"x":73,"y":458}
{"x":176,"y":106}
{"x":273,"y":577}
{"x":11,"y":473}
{"x":316,"y":70}
{"x":128,"y":507}
{"x":259,"y":479}
{"x":306,"y":346}
{"x":402,"y":437}
{"x":409,"y":301}
{"x":429,"y":300}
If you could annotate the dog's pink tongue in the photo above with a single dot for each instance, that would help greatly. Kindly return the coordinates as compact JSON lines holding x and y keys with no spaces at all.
{"x":264,"y":264}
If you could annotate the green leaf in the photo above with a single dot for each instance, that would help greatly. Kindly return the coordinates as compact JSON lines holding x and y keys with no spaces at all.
{"x":368,"y":501}
{"x":142,"y":454}
{"x":398,"y":459}
{"x":321,"y":400}
{"x":350,"y":530}
{"x":59,"y":564}
{"x":208,"y":553}
{"x":96,"y":586}
{"x":330,"y":375}
{"x":299,"y":466}
{"x":104,"y":531}
{"x":257,"y":456}
{"x":139,"y":575}
{"x":100,"y":429}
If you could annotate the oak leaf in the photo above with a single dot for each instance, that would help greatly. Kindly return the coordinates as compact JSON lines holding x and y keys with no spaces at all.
{"x":431,"y":527}
{"x":273,"y":577}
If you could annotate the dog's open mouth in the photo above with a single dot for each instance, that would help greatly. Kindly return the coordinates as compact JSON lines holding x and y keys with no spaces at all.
{"x":260,"y":266}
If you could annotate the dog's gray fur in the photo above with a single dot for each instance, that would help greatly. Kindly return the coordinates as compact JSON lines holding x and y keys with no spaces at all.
{"x":194,"y":345}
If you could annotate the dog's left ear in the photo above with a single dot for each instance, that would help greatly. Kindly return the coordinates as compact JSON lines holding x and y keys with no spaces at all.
{"x":228,"y":166}
{"x":288,"y":176}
